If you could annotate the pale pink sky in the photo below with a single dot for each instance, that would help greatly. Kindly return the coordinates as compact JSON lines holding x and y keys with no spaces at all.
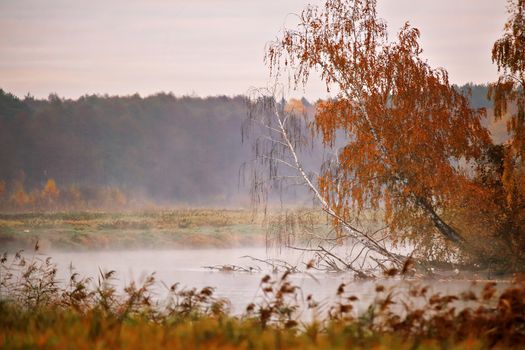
{"x":204,"y":47}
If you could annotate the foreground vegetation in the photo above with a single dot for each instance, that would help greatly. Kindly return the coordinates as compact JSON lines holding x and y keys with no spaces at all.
{"x":38,"y":311}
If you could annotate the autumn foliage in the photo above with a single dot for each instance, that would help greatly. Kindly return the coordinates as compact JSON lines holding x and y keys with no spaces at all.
{"x":508,"y":53}
{"x":50,"y":191}
{"x":406,"y":142}
{"x":51,"y":197}
{"x":403,"y":135}
{"x":508,"y":95}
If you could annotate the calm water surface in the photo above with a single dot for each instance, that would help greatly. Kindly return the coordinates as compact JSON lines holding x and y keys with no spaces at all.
{"x":187,"y":267}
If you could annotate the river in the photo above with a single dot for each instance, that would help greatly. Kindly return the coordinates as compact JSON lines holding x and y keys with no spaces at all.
{"x":189,"y":268}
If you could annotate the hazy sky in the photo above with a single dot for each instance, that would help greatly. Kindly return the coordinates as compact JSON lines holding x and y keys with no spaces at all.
{"x":204,"y":47}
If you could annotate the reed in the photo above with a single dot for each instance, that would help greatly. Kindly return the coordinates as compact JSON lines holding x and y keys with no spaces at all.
{"x":39,"y":312}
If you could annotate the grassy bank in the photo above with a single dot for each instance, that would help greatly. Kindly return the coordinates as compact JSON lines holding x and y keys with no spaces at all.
{"x":197,"y":228}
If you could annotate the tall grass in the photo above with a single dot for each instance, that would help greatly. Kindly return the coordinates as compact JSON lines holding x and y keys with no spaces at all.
{"x":38,"y":311}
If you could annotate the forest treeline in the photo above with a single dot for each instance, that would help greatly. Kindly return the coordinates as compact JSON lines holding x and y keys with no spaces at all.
{"x":182,"y":150}
{"x":113,"y":150}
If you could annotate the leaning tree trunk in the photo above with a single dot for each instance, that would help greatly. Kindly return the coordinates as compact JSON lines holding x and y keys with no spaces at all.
{"x":445,"y":229}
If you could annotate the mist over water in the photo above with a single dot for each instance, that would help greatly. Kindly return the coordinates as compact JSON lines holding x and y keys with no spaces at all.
{"x":188,"y":268}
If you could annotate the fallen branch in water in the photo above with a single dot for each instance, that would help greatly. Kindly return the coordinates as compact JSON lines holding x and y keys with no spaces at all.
{"x":233,"y":268}
{"x":331,"y":260}
{"x":276,"y":264}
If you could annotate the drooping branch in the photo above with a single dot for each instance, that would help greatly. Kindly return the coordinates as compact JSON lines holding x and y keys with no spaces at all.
{"x":283,"y":150}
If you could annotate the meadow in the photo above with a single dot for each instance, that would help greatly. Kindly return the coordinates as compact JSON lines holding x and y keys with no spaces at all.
{"x":96,"y":230}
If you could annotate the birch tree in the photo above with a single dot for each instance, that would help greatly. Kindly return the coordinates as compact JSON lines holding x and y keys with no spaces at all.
{"x":398,"y":129}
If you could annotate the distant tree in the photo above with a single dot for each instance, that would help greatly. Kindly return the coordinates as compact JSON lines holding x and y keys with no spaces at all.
{"x":10,"y":104}
{"x":19,"y":197}
{"x":50,"y":192}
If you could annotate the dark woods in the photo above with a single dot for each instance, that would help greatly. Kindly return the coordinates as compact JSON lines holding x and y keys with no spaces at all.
{"x":99,"y":151}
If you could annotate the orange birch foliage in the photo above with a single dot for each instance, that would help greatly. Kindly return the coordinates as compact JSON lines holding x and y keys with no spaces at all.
{"x":508,"y":95}
{"x":295,"y":107}
{"x":509,"y":55}
{"x":404,"y":129}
